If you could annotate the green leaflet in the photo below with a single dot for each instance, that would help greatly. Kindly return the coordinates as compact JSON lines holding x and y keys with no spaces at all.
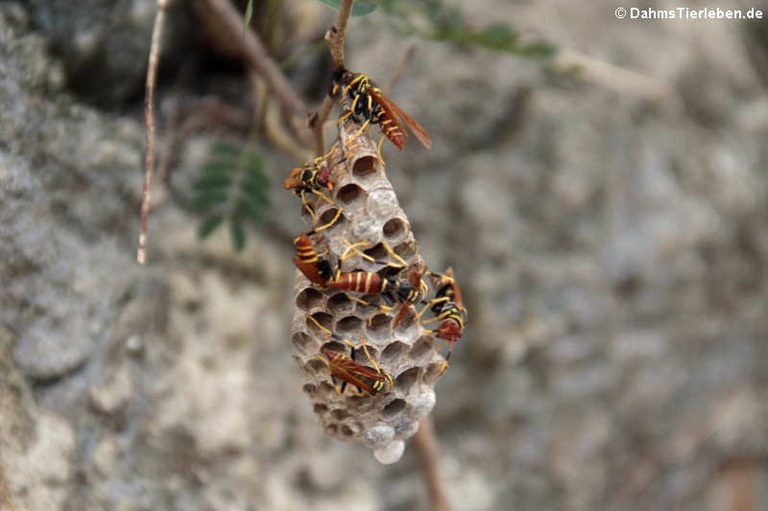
{"x":231,"y":188}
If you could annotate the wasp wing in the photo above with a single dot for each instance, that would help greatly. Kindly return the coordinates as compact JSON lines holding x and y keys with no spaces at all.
{"x":349,"y":371}
{"x":293,"y":181}
{"x":395,"y":112}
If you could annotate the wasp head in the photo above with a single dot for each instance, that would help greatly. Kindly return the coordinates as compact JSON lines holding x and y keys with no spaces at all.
{"x":450,"y":330}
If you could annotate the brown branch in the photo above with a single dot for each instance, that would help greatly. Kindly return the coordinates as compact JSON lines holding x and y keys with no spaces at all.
{"x":317,"y":123}
{"x":335,"y":39}
{"x":335,"y":36}
{"x":149,"y":118}
{"x":401,"y":68}
{"x":197,"y":117}
{"x":426,"y":450}
{"x":294,"y":109}
{"x":613,"y":77}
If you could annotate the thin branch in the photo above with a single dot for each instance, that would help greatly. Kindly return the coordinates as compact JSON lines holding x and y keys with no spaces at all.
{"x":149,"y":116}
{"x":258,"y":58}
{"x":317,"y":123}
{"x":268,"y":120}
{"x":335,"y":39}
{"x":184,"y":121}
{"x":335,"y":36}
{"x":426,"y":450}
{"x":401,"y":68}
{"x":614,"y":77}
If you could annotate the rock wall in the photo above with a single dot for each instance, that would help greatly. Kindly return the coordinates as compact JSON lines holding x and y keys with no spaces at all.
{"x":611,"y":246}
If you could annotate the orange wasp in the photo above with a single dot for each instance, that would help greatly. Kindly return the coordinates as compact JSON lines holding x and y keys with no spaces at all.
{"x":312,"y":179}
{"x":448,"y":308}
{"x":368,"y":102}
{"x":391,"y":287}
{"x":315,"y":267}
{"x":368,"y":380}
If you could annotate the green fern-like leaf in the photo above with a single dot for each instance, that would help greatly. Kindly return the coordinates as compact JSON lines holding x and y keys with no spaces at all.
{"x":231,"y":188}
{"x":238,"y":234}
{"x":433,"y":19}
{"x":208,"y":225}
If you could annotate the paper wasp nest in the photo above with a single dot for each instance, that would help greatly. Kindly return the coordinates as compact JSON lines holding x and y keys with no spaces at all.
{"x":406,"y":351}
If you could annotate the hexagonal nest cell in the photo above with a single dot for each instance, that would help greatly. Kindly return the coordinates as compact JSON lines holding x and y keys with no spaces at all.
{"x":390,"y":385}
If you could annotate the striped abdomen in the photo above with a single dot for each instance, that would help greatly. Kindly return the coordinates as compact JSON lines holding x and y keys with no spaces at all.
{"x":317,"y":269}
{"x":365,"y":282}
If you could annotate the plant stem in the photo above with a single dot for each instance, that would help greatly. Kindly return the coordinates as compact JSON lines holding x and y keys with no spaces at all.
{"x":335,"y":39}
{"x":149,"y":119}
{"x":428,"y":454}
{"x":294,"y":109}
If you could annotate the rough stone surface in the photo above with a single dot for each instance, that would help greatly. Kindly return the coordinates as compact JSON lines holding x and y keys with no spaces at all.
{"x":105,"y":43}
{"x":612,"y":250}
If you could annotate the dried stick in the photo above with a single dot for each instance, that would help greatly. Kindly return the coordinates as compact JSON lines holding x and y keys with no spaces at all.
{"x":317,"y":123}
{"x":614,"y":77}
{"x":335,"y":36}
{"x":401,"y":68}
{"x":335,"y":39}
{"x":426,"y":450}
{"x":258,"y":58}
{"x":149,"y":117}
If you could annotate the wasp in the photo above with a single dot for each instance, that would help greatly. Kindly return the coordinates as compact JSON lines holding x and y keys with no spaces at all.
{"x":316,"y":268}
{"x":367,"y":104}
{"x":314,"y":179}
{"x":377,"y":283}
{"x":390,"y":286}
{"x":308,"y":260}
{"x":368,"y":380}
{"x":449,"y":310}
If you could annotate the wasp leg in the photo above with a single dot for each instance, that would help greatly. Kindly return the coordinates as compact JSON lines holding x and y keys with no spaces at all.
{"x":394,"y":255}
{"x":352,"y":250}
{"x":430,"y":303}
{"x":401,"y":314}
{"x":379,"y":146}
{"x":443,"y":315}
{"x":306,"y":205}
{"x":330,"y":223}
{"x":343,"y":117}
{"x":387,"y":376}
{"x":359,"y":132}
{"x":323,"y":197}
{"x":444,"y":365}
{"x":318,"y":325}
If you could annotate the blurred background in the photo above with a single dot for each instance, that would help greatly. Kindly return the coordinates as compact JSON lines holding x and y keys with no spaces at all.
{"x":603,"y":202}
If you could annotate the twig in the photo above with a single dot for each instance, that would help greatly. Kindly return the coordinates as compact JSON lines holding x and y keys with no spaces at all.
{"x":183,"y":121}
{"x":426,"y":450}
{"x":401,"y":67}
{"x":257,"y":56}
{"x":149,"y":116}
{"x":267,"y":119}
{"x":335,"y":39}
{"x":317,"y":123}
{"x":614,"y":77}
{"x":335,"y":36}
